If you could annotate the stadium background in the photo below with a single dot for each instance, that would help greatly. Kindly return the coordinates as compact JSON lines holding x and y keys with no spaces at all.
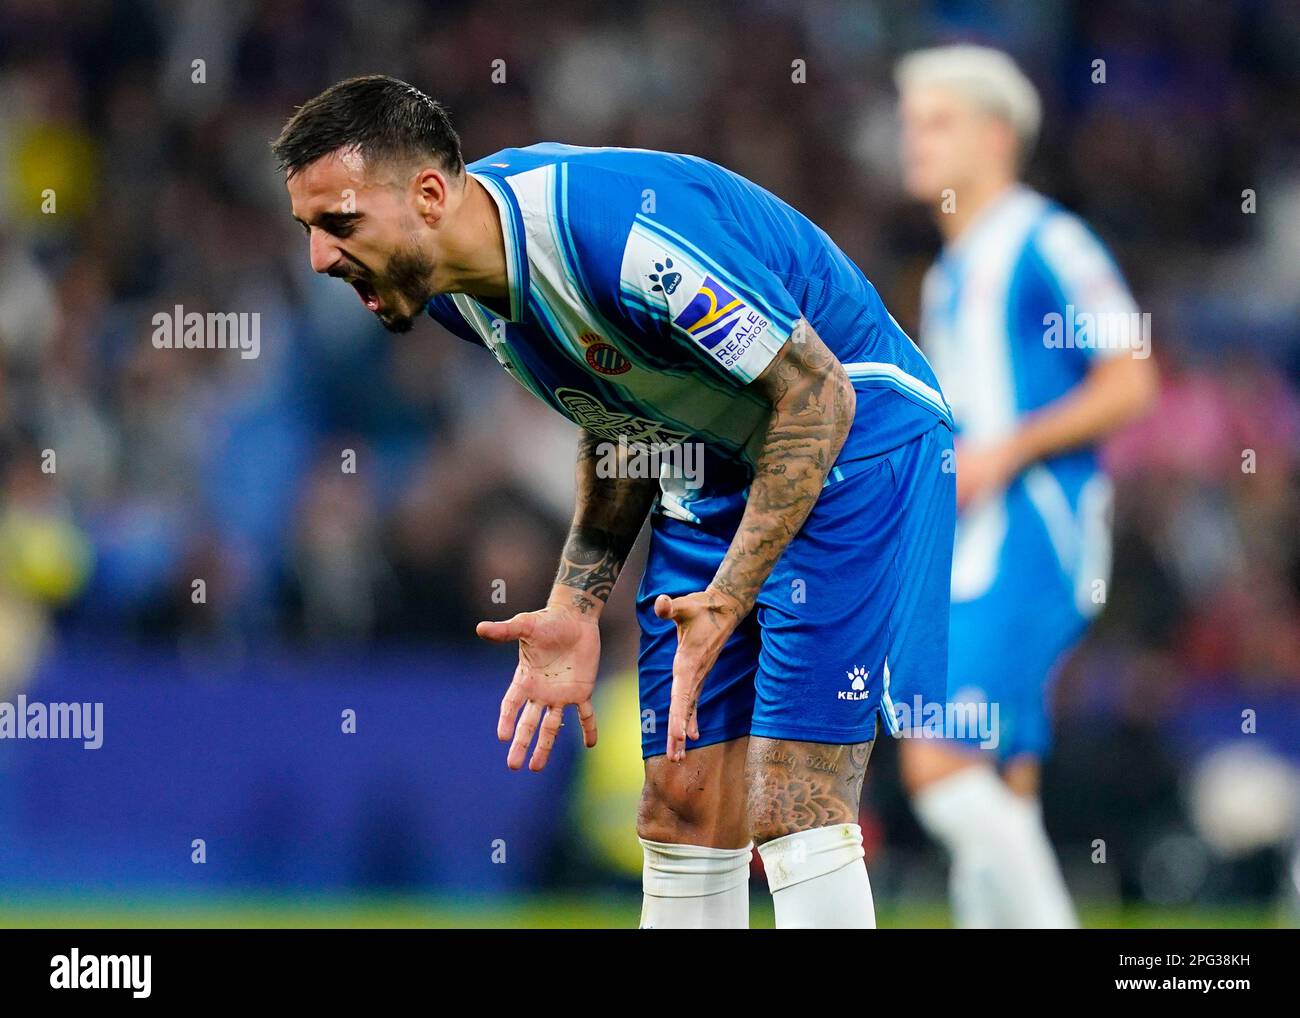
{"x":327,"y":592}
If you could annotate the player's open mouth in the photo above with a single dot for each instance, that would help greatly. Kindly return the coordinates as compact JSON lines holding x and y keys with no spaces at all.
{"x":367,"y":294}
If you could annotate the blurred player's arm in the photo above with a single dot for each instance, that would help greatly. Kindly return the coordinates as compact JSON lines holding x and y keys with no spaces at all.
{"x":1115,"y":391}
{"x":607,"y":516}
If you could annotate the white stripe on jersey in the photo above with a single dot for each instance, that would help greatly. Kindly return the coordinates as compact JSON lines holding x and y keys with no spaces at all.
{"x":884,"y":369}
{"x":972,"y":359}
{"x":1087,"y":276}
{"x":970,"y":339}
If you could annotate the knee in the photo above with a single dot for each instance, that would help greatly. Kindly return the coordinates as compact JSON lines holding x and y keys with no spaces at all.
{"x":923,"y":763}
{"x":794,"y":787}
{"x":770,"y":829}
{"x":779,"y":808}
{"x":668,"y":811}
{"x":680,"y":805}
{"x":774,"y":814}
{"x":1022,"y":777}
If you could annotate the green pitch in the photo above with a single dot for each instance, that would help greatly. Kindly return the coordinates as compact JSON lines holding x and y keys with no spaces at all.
{"x":603,"y":911}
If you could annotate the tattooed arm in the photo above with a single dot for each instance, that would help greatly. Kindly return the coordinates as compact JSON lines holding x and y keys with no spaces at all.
{"x":559,"y":646}
{"x":813,"y":403}
{"x":607,"y":516}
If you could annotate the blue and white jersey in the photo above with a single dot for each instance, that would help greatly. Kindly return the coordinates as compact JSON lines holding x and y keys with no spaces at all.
{"x":1003,"y":320}
{"x":647,"y":290}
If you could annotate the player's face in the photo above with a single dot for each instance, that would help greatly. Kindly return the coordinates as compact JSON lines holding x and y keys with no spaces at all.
{"x":363,"y":231}
{"x":944,"y":140}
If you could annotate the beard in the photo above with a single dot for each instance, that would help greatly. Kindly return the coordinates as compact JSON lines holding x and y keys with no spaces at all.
{"x":409,"y":275}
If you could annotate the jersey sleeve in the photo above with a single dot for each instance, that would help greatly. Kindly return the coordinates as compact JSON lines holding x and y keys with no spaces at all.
{"x":702,"y":289}
{"x":1088,"y":282}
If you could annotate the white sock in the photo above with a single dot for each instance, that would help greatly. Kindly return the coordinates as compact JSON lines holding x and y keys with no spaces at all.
{"x":690,"y":887}
{"x":1004,"y":873}
{"x":818,"y":880}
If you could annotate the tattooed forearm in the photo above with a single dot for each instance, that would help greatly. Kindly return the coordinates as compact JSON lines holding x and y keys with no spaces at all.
{"x":590,"y":564}
{"x":606,"y":519}
{"x":812,"y":410}
{"x":795,"y":786}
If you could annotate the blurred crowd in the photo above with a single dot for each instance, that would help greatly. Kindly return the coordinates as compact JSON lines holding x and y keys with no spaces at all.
{"x":135,"y":177}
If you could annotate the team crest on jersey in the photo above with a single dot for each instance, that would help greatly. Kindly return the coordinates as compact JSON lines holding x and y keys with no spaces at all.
{"x":588,"y":412}
{"x":603,"y":358}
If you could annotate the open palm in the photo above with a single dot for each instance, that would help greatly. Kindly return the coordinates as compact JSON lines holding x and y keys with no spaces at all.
{"x":559,"y":652}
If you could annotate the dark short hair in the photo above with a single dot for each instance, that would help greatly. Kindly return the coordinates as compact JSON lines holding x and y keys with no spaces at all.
{"x":382,"y":118}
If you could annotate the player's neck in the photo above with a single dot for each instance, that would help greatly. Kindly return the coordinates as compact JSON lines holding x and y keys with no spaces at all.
{"x":968,"y":203}
{"x":473,"y":250}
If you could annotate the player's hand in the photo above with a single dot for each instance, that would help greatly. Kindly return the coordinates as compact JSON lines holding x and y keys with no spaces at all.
{"x":983,"y":471}
{"x":558,"y":652}
{"x":704,"y":622}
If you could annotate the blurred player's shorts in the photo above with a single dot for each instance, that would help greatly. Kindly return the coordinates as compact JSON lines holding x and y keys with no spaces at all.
{"x":1005,"y":649}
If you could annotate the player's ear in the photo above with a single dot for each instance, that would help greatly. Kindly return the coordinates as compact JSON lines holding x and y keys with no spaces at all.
{"x":431,"y":191}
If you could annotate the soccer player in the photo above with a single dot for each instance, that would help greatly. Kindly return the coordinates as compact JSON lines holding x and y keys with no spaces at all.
{"x":795,"y":586}
{"x":1032,"y":393}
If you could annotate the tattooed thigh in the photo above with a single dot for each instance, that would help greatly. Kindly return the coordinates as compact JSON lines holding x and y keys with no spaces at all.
{"x":797,"y":786}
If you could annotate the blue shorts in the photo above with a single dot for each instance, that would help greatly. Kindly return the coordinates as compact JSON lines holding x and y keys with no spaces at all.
{"x":1007,"y":642}
{"x":854,"y":616}
{"x":1000,"y":674}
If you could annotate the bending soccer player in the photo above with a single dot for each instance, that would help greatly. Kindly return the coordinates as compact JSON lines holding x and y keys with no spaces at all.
{"x":1042,"y":352}
{"x":659,"y":300}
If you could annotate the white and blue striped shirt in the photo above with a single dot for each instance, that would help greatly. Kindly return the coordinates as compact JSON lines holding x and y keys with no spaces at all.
{"x":1013,"y":312}
{"x":647,"y":290}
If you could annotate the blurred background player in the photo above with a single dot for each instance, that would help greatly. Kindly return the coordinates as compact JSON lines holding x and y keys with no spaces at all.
{"x":1032,"y":396}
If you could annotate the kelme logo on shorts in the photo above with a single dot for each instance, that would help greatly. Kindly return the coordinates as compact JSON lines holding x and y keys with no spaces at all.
{"x":857,"y":685}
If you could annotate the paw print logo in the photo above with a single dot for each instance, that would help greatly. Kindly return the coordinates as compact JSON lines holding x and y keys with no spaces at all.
{"x":664,"y":280}
{"x":858,"y":679}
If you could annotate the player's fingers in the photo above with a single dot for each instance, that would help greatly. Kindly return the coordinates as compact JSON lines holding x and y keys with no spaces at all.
{"x":552,"y":720}
{"x":587,"y":718}
{"x":679,"y":710}
{"x":680,"y":729}
{"x":664,"y":606}
{"x":524,"y":730}
{"x":518,"y":628}
{"x":688,"y":679}
{"x":510,"y":704}
{"x":687,"y":682}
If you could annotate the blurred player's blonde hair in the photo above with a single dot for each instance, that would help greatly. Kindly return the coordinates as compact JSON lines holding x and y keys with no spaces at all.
{"x":988,"y":78}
